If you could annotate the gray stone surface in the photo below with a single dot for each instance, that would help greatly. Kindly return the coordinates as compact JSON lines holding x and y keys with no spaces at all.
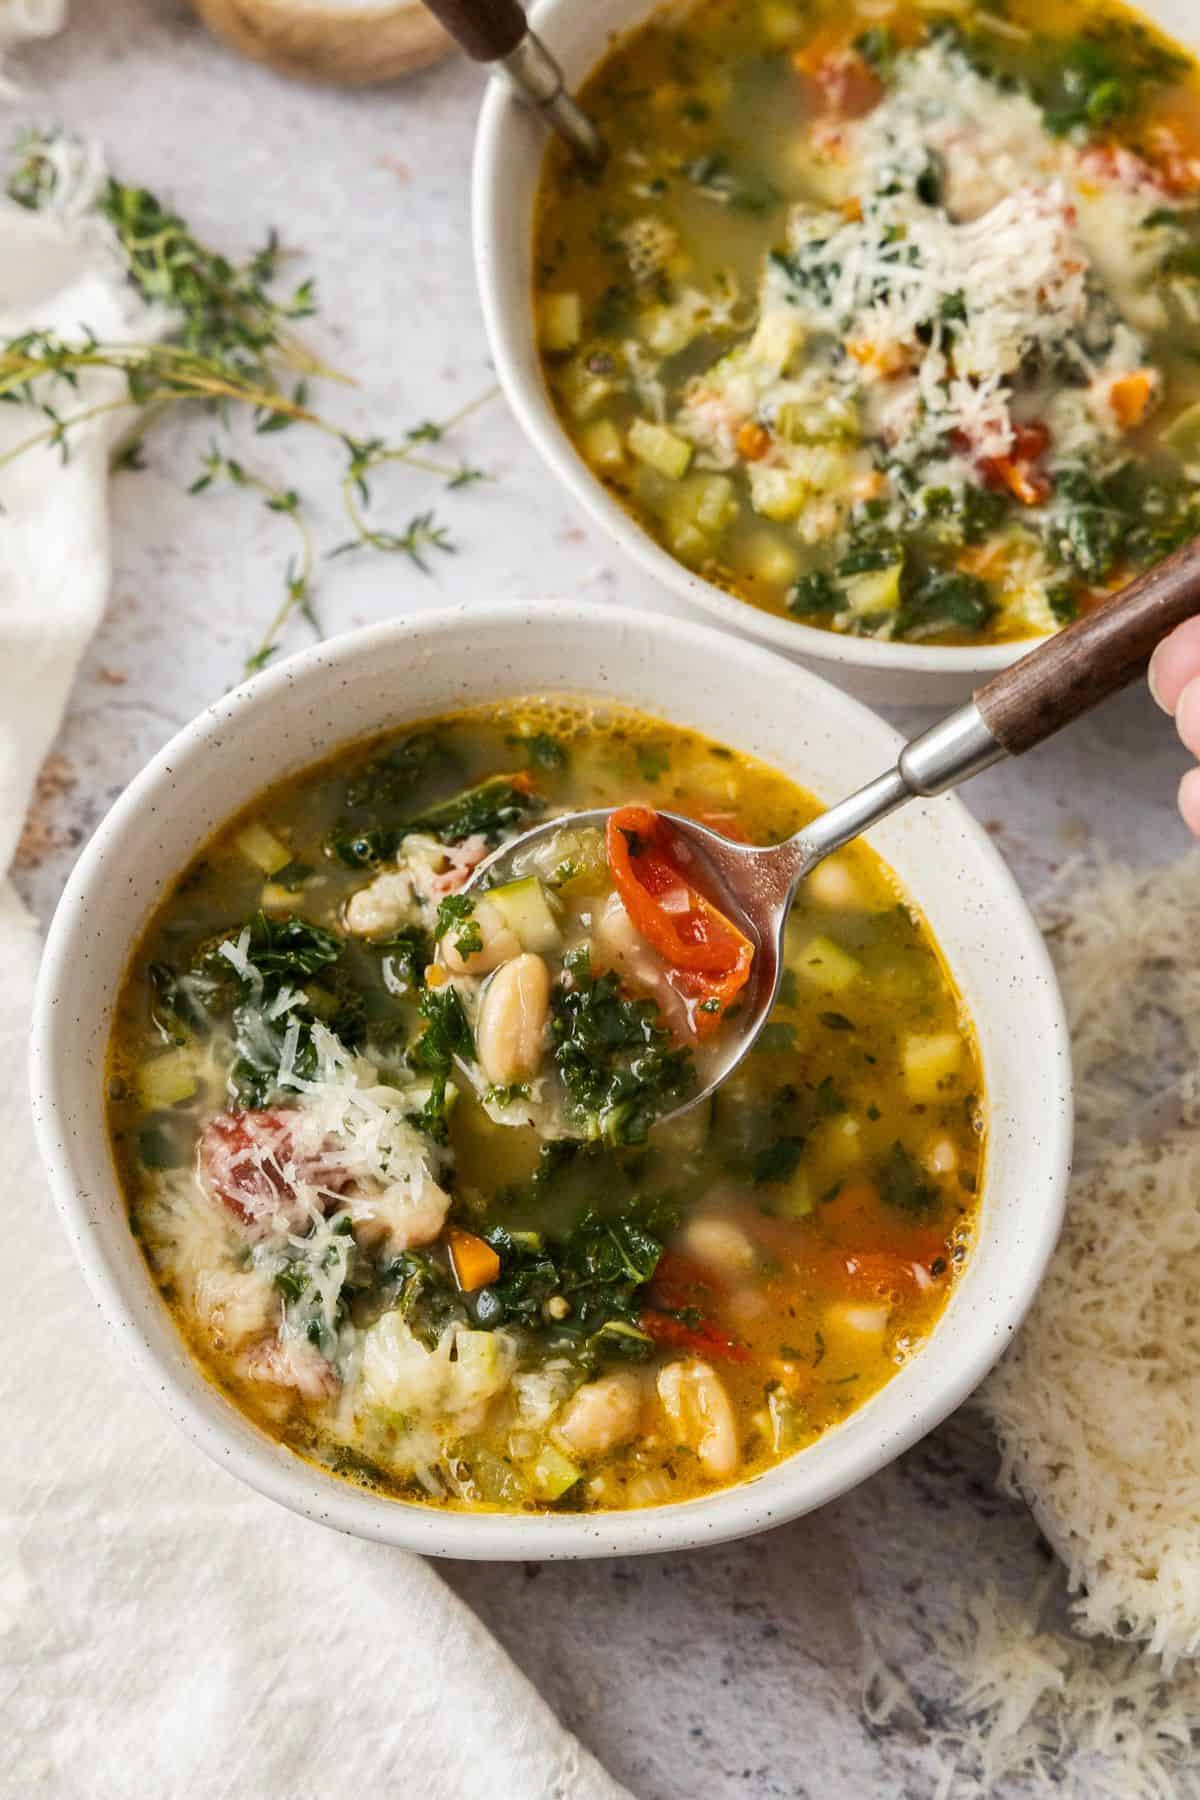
{"x":727,"y":1674}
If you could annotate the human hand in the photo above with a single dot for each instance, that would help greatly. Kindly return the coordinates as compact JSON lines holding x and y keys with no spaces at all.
{"x":1175,"y":684}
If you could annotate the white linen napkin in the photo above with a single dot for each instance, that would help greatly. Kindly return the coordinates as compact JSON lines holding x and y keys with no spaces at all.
{"x":165,"y":1632}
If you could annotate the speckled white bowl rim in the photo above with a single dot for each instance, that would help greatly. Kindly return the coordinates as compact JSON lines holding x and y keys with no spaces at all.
{"x":509,"y":146}
{"x":386,"y":676}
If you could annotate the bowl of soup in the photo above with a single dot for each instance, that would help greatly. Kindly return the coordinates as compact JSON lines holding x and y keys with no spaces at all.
{"x":390,"y":1187}
{"x":877,"y":335}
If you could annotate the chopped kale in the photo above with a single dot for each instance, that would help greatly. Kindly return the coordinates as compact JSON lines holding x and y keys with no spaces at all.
{"x":778,"y":1161}
{"x":600,"y":1268}
{"x":447,"y":1034}
{"x":815,"y":592}
{"x":457,"y":909}
{"x":617,"y":1061}
{"x":905,"y":1185}
{"x":541,"y":751}
{"x":1103,"y":75}
{"x":946,"y":599}
{"x":652,"y":761}
{"x":489,"y":809}
{"x":403,"y":958}
{"x":389,"y":780}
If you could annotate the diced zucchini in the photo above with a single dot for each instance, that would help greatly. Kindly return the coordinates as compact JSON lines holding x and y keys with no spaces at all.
{"x":932,"y":1064}
{"x":834,"y":883}
{"x":528,"y":914}
{"x":553,"y":1473}
{"x":875,"y":591}
{"x":167,"y":1080}
{"x":583,"y":388}
{"x":833,"y":418}
{"x":778,"y":493}
{"x":1182,"y":435}
{"x":827,"y":965}
{"x":767,"y":558}
{"x":601,"y":445}
{"x":560,"y":321}
{"x":262,"y":848}
{"x":660,"y":448}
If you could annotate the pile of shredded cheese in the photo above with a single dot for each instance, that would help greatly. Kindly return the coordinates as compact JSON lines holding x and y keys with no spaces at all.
{"x":1097,"y":1406}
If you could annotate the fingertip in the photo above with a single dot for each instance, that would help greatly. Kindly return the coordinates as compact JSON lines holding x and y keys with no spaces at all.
{"x":1174,"y":664}
{"x":1189,"y":801}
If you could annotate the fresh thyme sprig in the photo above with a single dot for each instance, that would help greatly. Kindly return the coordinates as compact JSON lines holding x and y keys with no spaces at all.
{"x":230,"y":346}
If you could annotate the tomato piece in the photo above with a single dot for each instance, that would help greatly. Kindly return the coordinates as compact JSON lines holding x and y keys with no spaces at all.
{"x":704,"y":1339}
{"x":1017,"y":471}
{"x":248,"y":1162}
{"x":708,"y":959}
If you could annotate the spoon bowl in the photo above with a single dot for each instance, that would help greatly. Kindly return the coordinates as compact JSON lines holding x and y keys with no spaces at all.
{"x":754,"y":885}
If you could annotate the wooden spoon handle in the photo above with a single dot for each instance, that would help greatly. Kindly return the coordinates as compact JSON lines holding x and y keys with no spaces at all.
{"x":1091,"y":659}
{"x":486,"y":29}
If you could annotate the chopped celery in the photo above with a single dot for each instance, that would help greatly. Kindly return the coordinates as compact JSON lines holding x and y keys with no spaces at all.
{"x":766,"y":557}
{"x":660,"y":448}
{"x":262,"y":848}
{"x":167,"y":1080}
{"x":931,"y":1064}
{"x":827,"y":965}
{"x":553,"y":1473}
{"x":696,"y":513}
{"x":601,"y":445}
{"x":528,"y":914}
{"x":876,"y":591}
{"x":560,"y":321}
{"x":788,"y":1421}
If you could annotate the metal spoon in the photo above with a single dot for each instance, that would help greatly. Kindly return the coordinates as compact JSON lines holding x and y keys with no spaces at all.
{"x":495,"y":31}
{"x":1022,"y":706}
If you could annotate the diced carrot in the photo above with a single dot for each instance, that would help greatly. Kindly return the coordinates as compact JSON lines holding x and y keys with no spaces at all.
{"x":474,"y":1262}
{"x":753,"y":441}
{"x":435,"y":976}
{"x":852,"y":209}
{"x":1130,"y":396}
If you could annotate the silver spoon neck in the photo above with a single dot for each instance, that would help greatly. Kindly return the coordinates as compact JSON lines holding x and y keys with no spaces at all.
{"x":535,"y":75}
{"x":950,"y":752}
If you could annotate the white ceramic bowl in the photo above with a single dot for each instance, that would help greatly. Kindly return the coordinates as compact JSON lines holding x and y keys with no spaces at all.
{"x":508,"y":157}
{"x":384,"y":678}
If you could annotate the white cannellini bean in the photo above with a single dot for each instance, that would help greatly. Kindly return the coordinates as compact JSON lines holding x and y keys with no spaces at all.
{"x":833,"y":883}
{"x":720,"y":1244}
{"x":694,"y":1399}
{"x":601,"y":1414}
{"x":500,"y":943}
{"x":511,"y":1030}
{"x":381,"y":906}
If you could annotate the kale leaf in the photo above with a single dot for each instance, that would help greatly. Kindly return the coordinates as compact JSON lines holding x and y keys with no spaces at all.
{"x":905,"y":1185}
{"x":617,"y":1061}
{"x":491,"y":808}
{"x":946,"y":599}
{"x":389,"y":779}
